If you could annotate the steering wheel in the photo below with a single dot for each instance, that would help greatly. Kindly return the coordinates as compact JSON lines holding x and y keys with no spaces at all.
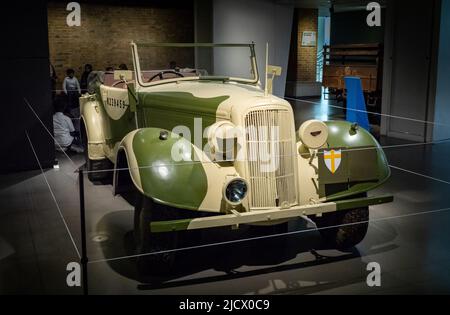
{"x":118,"y":82}
{"x":162,"y":73}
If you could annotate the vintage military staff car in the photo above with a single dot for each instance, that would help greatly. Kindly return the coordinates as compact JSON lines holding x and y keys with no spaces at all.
{"x":192,"y":143}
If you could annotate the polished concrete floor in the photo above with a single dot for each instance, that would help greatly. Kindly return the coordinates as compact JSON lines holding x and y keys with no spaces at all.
{"x":409,"y":238}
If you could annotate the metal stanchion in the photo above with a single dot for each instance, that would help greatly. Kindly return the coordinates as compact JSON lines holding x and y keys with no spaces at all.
{"x":84,"y":258}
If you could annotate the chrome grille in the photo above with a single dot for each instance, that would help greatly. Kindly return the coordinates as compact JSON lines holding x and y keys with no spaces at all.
{"x":270,"y":158}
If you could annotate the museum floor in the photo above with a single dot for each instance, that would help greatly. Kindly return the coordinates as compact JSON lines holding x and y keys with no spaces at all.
{"x":409,"y":238}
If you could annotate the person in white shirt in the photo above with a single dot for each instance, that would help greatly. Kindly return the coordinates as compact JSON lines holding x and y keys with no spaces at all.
{"x":64,"y":131}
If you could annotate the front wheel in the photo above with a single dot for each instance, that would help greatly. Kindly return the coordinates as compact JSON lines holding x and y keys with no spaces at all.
{"x":344,"y":229}
{"x":147,"y":243}
{"x":275,"y":229}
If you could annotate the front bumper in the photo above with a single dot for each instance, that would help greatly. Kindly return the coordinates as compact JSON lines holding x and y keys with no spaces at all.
{"x":270,"y":215}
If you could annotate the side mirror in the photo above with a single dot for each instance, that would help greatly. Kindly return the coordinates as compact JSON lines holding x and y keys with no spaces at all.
{"x":272,"y":72}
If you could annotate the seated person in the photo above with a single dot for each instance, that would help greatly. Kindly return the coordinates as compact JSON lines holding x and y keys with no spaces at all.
{"x":65,"y":135}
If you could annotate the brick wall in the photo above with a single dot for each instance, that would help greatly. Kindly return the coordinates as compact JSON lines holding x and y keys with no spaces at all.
{"x":106,"y":31}
{"x":303,"y":60}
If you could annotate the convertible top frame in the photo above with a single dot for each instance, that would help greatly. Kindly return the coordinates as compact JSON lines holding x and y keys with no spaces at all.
{"x":138,"y":70}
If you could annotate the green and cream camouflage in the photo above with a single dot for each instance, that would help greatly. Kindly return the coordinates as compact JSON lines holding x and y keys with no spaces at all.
{"x":204,"y":150}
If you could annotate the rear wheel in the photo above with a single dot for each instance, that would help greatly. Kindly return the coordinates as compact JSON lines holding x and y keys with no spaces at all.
{"x":97,"y":169}
{"x":147,"y":211}
{"x":344,"y":229}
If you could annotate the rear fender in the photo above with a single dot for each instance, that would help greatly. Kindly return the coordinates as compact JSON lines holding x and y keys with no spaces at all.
{"x":92,"y":120}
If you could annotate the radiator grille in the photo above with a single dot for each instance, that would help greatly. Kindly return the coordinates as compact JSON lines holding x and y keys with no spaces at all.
{"x":270,"y":158}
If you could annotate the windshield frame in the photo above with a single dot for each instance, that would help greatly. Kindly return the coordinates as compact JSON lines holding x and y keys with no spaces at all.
{"x":137,"y":65}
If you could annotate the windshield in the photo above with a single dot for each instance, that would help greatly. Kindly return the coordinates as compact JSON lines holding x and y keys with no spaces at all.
{"x":160,"y":63}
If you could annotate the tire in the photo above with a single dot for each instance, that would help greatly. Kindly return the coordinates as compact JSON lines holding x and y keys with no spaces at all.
{"x":349,"y":233}
{"x":262,"y":230}
{"x":94,"y":167}
{"x":146,"y":211}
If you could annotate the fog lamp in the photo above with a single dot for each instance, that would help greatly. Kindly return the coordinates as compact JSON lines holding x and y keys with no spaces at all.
{"x":313,"y":133}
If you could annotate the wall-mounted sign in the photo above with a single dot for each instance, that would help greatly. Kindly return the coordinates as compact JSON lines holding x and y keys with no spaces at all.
{"x":308,"y":38}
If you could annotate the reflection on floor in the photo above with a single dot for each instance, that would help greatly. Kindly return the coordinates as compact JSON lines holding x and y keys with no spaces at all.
{"x":413,"y":251}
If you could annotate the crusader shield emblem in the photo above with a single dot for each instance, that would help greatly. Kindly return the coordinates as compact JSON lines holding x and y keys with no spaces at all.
{"x":332,"y":159}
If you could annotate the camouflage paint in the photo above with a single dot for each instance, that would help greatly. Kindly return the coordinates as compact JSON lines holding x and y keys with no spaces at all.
{"x":170,"y":109}
{"x":180,"y":184}
{"x":341,"y":135}
{"x":115,"y":130}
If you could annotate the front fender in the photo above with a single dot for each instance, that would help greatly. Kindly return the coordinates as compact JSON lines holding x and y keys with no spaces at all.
{"x":159,"y":176}
{"x":357,"y":143}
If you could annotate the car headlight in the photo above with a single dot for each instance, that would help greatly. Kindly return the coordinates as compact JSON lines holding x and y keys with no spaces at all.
{"x":235,"y":191}
{"x":313,"y":133}
{"x":222,"y":139}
